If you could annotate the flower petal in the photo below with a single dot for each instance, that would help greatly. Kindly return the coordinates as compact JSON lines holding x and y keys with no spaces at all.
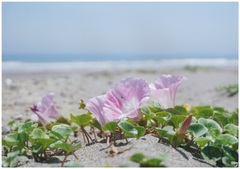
{"x":125,"y":99}
{"x":44,"y":120}
{"x":95,"y":106}
{"x":164,"y":89}
{"x":46,"y":106}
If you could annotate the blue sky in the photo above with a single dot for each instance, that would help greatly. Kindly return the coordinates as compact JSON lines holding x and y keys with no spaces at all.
{"x":159,"y":28}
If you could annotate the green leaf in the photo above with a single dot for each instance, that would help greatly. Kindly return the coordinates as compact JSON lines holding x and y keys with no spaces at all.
{"x":163,"y":131}
{"x":10,"y":160}
{"x":197,"y":129}
{"x":205,"y":113}
{"x":163,"y":117}
{"x":220,"y":118}
{"x":201,"y":141}
{"x":95,"y":123}
{"x":219,"y":109}
{"x":110,"y":126}
{"x":55,"y":135}
{"x":82,"y":120}
{"x":177,"y":119}
{"x":23,"y":137}
{"x":12,"y":139}
{"x":233,"y":117}
{"x":155,"y":108}
{"x":227,"y":162}
{"x":231,"y":154}
{"x":140,"y":131}
{"x":210,"y":124}
{"x":41,"y":144}
{"x":146,"y":110}
{"x":147,"y":162}
{"x":128,"y":128}
{"x":170,"y":135}
{"x":148,"y":114}
{"x":182,"y":110}
{"x":37,"y":148}
{"x":138,"y":157}
{"x":25,"y":127}
{"x":13,"y":154}
{"x":63,"y":129}
{"x":68,"y":147}
{"x":211,"y":154}
{"x":153,"y":162}
{"x":214,"y":133}
{"x":5,"y":161}
{"x":38,"y":133}
{"x":226,"y":139}
{"x":231,"y":129}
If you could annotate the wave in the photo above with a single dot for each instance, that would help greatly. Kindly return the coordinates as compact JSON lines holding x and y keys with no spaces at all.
{"x":12,"y":66}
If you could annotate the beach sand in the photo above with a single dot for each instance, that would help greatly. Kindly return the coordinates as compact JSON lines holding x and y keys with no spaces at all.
{"x":21,"y":90}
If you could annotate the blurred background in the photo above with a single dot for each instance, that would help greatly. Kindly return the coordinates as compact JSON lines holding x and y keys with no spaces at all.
{"x":80,"y":31}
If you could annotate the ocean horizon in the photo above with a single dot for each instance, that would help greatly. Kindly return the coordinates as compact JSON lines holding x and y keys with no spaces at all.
{"x":45,"y":58}
{"x":107,"y":63}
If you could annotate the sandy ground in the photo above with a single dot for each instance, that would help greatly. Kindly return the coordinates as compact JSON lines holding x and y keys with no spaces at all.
{"x":70,"y":87}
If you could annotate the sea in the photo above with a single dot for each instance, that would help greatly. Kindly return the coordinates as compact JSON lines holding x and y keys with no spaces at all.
{"x":69,"y":62}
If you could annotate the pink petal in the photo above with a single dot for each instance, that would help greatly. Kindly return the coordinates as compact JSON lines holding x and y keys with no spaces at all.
{"x":163,"y":97}
{"x":164,"y":89}
{"x":95,"y":106}
{"x":125,"y":99}
{"x":46,"y":106}
{"x":44,"y":120}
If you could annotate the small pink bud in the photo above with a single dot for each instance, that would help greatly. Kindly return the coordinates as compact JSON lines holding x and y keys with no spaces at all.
{"x":34,"y":108}
{"x":185,"y":125}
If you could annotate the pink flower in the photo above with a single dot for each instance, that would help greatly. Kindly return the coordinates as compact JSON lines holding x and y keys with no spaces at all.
{"x":125,"y":99}
{"x":45,"y":110}
{"x":95,"y":106}
{"x":164,"y":89}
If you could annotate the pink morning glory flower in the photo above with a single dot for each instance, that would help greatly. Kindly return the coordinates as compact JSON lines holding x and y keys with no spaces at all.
{"x":164,"y":89}
{"x":95,"y":106}
{"x":125,"y":99}
{"x":45,"y":110}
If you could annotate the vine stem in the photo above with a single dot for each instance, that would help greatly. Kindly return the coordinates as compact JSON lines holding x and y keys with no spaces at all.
{"x":64,"y":159}
{"x":87,"y":135}
{"x":83,"y":135}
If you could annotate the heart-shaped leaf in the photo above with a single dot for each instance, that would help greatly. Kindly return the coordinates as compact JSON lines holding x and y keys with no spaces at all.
{"x":163,"y":131}
{"x":146,"y":110}
{"x":25,"y":127}
{"x":211,"y":154}
{"x":12,"y":139}
{"x":63,"y":129}
{"x":182,"y":110}
{"x":82,"y":120}
{"x":226,"y":139}
{"x":202,"y":141}
{"x":163,"y":117}
{"x":210,"y":124}
{"x":68,"y":147}
{"x":231,"y":129}
{"x":38,"y":133}
{"x":140,"y":131}
{"x":128,"y":128}
{"x":177,"y":119}
{"x":138,"y":157}
{"x":197,"y":129}
{"x":205,"y":113}
{"x":110,"y":126}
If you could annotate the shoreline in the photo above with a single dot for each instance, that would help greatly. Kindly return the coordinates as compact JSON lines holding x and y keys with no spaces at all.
{"x":97,"y":66}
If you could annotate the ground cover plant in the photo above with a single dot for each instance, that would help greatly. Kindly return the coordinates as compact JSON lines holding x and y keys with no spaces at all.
{"x":132,"y":108}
